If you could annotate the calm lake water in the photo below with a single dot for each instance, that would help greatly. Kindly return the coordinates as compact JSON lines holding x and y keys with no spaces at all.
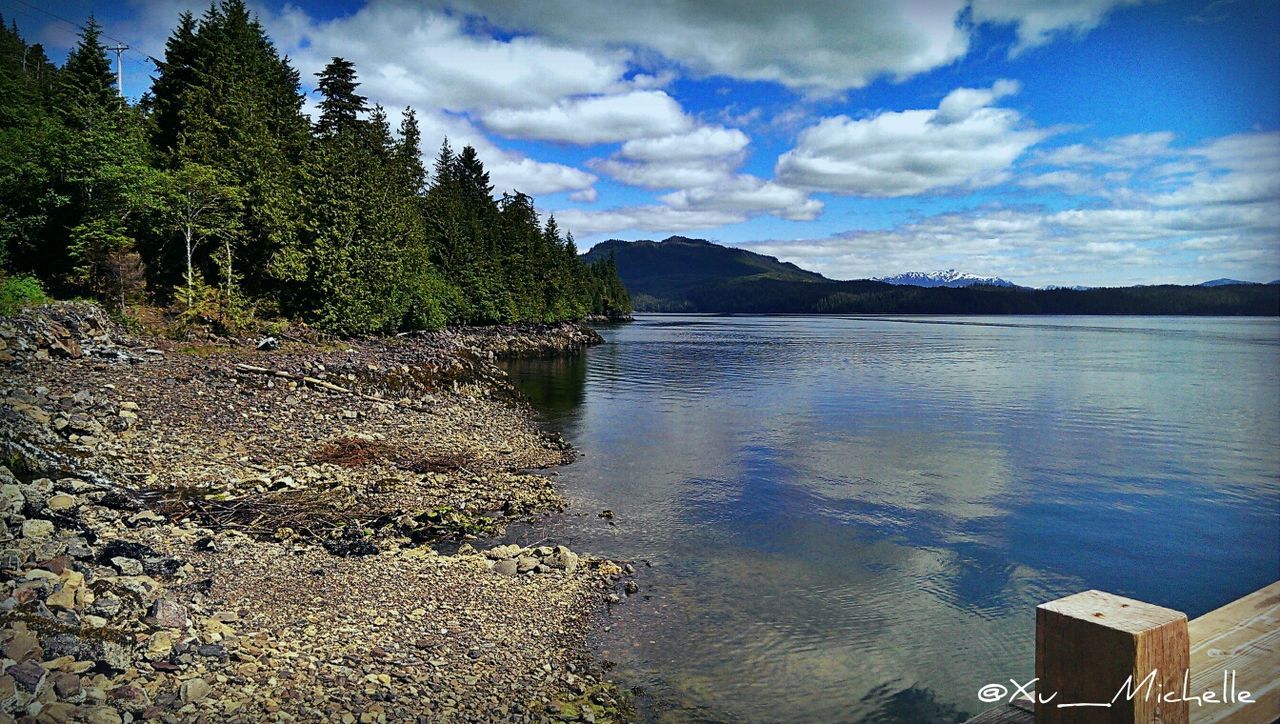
{"x":854,"y":518}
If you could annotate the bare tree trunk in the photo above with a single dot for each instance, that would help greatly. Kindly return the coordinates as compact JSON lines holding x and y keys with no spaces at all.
{"x":190,"y":266}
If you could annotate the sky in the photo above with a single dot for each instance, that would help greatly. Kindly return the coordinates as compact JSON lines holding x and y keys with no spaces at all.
{"x":1047,"y":142}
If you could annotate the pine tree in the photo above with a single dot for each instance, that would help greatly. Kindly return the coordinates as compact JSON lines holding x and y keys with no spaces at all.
{"x":177,"y":74}
{"x":28,"y":135}
{"x":86,"y":78}
{"x":341,"y":105}
{"x":227,"y":100}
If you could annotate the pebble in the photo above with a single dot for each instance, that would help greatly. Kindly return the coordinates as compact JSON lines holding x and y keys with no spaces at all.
{"x":194,"y":690}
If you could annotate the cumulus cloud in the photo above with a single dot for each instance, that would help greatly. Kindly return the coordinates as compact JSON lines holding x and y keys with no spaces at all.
{"x":407,"y":55}
{"x":507,"y":170}
{"x":1118,"y":152}
{"x":647,"y":219}
{"x":597,"y":119}
{"x":828,"y":44}
{"x":1037,"y":22}
{"x":965,"y":142}
{"x":1219,"y":216}
{"x":699,"y":158}
{"x":708,"y":141}
{"x":729,"y":200}
{"x":746,"y":194}
{"x":1242,"y":169}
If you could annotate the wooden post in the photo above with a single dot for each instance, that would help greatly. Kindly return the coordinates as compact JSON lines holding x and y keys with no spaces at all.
{"x":1102,"y":649}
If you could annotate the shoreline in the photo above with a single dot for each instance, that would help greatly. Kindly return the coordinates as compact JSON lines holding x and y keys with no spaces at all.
{"x":251,"y":535}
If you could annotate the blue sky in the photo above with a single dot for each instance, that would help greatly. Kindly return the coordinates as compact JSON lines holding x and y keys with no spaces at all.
{"x":1047,"y":142}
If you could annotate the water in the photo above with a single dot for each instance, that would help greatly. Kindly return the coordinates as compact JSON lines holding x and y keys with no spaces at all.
{"x":853,"y":518}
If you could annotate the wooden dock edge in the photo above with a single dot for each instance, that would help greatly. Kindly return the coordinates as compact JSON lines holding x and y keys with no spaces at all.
{"x":1241,"y":637}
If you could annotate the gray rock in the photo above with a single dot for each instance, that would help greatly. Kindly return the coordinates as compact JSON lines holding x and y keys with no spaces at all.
{"x":79,"y":548}
{"x":505,"y":568}
{"x":127,"y":566}
{"x":193,"y":690}
{"x":29,"y":675}
{"x":11,"y":558}
{"x":11,"y":499}
{"x":167,"y":614}
{"x":106,"y":653}
{"x":106,"y":605}
{"x":66,"y":685}
{"x":565,"y":559}
{"x":37,"y":493}
{"x":37,"y":528}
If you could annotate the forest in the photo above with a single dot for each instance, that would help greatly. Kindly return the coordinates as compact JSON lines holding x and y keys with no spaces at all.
{"x":216,"y":197}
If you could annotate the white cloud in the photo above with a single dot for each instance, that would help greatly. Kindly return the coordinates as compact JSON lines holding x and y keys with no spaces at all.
{"x":699,"y":158}
{"x":1038,"y":21}
{"x":585,"y":196}
{"x":708,"y":141}
{"x":1121,"y":151}
{"x":598,"y":119}
{"x":961,"y":103}
{"x":672,"y":175}
{"x":1243,"y":169}
{"x":827,"y":45}
{"x":407,"y":55}
{"x":642,"y":218}
{"x":1218,"y":215}
{"x":965,"y":143}
{"x":1069,"y":181}
{"x":729,"y":200}
{"x":507,"y":170}
{"x":747,"y":194}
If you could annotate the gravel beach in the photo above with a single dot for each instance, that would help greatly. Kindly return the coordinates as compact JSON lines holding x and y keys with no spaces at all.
{"x":284,"y":531}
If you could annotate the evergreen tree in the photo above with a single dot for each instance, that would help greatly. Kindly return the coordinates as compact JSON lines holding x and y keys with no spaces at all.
{"x":86,"y":78}
{"x":216,"y":185}
{"x":28,"y":136}
{"x":224,"y":98}
{"x":100,"y":164}
{"x":341,"y":105}
{"x":177,"y":74}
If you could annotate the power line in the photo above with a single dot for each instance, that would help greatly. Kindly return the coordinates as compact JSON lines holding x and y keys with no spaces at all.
{"x":80,"y":26}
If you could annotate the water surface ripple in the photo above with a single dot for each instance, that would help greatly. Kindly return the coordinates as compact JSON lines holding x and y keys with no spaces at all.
{"x":852,"y":519}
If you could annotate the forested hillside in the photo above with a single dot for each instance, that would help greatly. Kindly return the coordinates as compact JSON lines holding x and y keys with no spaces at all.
{"x":216,"y":195}
{"x":695,"y":275}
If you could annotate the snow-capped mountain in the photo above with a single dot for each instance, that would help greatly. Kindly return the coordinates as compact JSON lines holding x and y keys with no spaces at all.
{"x":1224,"y":282}
{"x":946,"y":278}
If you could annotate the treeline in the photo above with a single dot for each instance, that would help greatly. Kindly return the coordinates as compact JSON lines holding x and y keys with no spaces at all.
{"x":748,"y":295}
{"x":216,"y":194}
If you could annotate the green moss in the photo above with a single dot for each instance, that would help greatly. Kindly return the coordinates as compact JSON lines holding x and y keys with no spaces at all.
{"x":605,"y":700}
{"x":49,"y":627}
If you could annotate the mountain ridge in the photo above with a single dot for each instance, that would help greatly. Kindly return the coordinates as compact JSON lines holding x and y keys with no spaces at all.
{"x":943,"y":278}
{"x":682,"y":274}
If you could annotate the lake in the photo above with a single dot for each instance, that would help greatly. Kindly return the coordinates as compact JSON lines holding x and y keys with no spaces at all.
{"x":853,"y":518}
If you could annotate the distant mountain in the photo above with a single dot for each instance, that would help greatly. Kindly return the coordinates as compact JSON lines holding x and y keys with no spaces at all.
{"x":679,"y":274}
{"x":660,"y":274}
{"x":946,"y":278}
{"x":1224,"y":283}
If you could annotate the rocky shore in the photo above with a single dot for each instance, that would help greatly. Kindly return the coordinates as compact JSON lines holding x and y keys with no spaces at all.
{"x":283,"y":531}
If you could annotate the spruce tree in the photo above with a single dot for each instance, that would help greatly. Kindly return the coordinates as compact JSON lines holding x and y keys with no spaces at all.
{"x":341,"y":105}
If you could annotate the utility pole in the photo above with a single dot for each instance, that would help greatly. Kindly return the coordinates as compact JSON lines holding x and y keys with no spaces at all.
{"x":119,"y":66}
